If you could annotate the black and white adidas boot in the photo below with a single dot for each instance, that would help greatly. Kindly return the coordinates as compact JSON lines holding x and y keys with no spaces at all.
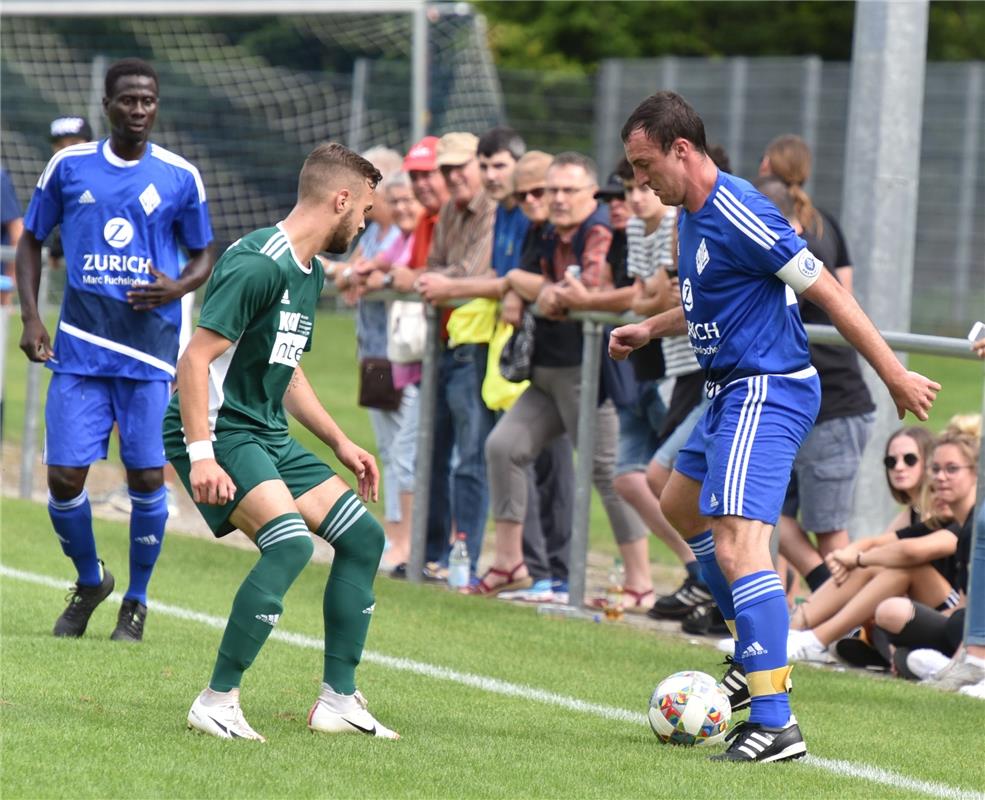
{"x":678,"y":604}
{"x":735,"y":685}
{"x":752,"y":741}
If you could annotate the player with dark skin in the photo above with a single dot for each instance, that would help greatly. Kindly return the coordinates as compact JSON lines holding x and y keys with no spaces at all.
{"x":130,"y":112}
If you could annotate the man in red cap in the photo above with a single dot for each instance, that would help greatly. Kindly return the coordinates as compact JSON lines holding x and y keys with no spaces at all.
{"x":421,"y":162}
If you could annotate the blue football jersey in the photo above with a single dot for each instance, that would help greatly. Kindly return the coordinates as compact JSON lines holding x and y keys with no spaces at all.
{"x":117,"y":219}
{"x":739,"y":263}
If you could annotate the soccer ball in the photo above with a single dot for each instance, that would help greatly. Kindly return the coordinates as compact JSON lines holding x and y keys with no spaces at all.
{"x":689,"y":708}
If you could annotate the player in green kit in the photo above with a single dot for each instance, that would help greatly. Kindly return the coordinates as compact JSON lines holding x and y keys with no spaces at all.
{"x":226,"y":434}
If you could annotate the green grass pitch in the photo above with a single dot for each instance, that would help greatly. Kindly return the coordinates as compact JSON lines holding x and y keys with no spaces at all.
{"x":455,"y":675}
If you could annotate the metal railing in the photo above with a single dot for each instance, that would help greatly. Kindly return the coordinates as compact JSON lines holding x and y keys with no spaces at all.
{"x":593,"y":324}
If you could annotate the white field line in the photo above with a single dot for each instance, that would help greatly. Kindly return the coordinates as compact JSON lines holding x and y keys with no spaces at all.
{"x":843,"y":769}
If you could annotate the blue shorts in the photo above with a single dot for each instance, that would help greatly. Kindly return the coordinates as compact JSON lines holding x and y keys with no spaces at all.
{"x":79,"y":415}
{"x":743,"y":447}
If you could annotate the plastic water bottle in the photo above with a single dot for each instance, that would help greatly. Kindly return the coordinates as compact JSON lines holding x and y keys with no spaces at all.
{"x":614,"y":591}
{"x":458,"y":563}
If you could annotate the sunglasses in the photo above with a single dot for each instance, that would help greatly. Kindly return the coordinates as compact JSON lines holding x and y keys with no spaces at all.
{"x":910,"y":459}
{"x":536,"y":194}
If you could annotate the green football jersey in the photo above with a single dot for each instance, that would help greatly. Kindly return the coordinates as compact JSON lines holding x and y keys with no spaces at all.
{"x":262,"y":299}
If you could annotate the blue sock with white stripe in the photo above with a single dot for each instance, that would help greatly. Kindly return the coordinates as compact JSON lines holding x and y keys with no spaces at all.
{"x":762,"y":623}
{"x":72,"y":520}
{"x":703,"y":547}
{"x":148,"y":516}
{"x":285,"y":547}
{"x":349,"y":601}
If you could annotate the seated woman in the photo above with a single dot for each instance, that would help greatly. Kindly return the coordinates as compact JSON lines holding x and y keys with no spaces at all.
{"x":910,"y":625}
{"x":920,"y":561}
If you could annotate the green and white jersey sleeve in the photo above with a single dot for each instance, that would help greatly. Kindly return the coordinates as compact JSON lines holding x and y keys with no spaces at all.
{"x":262,"y":299}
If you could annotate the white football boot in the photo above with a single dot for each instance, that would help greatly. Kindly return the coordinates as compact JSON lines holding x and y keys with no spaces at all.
{"x":345,"y":713}
{"x":221,"y":716}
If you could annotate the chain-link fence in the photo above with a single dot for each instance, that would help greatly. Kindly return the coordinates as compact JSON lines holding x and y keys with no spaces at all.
{"x":745,"y":102}
{"x":239,"y":96}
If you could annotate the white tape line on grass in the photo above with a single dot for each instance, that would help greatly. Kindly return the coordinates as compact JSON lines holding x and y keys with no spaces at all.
{"x":844,"y":769}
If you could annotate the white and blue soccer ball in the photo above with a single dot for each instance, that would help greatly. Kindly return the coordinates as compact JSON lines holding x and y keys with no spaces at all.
{"x":689,"y":708}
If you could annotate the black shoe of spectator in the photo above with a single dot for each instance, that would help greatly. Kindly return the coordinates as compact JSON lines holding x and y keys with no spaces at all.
{"x":686,"y":598}
{"x":858,"y":653}
{"x":705,"y":621}
{"x":433,"y":572}
{"x":82,"y":601}
{"x":752,"y":741}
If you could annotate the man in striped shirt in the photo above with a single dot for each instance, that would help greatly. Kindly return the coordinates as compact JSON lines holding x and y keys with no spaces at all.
{"x":652,"y":264}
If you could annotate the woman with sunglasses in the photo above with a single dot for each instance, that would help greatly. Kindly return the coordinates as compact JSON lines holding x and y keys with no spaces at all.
{"x":926,"y":562}
{"x":906,"y":457}
{"x":912,"y":626}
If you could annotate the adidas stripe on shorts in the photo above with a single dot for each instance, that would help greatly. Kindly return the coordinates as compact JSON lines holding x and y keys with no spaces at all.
{"x":743,"y":447}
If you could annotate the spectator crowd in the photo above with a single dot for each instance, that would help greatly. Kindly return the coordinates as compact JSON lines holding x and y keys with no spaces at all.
{"x":516,"y":232}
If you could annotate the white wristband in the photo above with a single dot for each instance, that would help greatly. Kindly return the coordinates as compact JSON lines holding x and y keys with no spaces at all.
{"x":197,"y":451}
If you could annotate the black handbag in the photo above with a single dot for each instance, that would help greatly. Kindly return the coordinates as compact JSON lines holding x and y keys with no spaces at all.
{"x":515,"y":360}
{"x":376,"y":388}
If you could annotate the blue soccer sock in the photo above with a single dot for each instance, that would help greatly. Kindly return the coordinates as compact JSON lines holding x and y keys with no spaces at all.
{"x":148,"y":516}
{"x":703,"y":547}
{"x":762,"y":623}
{"x":72,"y":520}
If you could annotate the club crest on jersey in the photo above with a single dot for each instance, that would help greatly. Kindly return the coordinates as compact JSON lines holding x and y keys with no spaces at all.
{"x":701,"y":257}
{"x":149,"y":199}
{"x":118,"y":232}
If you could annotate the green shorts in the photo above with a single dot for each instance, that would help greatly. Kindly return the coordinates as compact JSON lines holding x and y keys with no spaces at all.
{"x":250,"y":461}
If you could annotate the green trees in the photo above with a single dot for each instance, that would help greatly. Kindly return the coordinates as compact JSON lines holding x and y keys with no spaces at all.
{"x":575,"y":36}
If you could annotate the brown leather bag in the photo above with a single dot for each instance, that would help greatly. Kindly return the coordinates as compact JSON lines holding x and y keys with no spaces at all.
{"x":376,"y":385}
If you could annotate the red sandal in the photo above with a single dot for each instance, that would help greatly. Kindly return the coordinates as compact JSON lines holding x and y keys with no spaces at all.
{"x":483,"y":587}
{"x":633,"y":601}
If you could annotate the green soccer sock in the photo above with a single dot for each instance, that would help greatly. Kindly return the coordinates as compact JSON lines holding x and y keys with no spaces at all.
{"x":285,"y":547}
{"x":349,"y":601}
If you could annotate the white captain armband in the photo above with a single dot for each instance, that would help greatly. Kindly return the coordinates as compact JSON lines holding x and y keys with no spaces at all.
{"x":800,"y":272}
{"x":199,"y":451}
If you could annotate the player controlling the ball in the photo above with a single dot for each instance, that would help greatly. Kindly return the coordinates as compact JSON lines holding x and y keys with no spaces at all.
{"x":740,"y":264}
{"x":226,"y":433}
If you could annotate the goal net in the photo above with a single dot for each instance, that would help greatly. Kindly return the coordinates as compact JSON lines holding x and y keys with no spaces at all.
{"x":246,"y":97}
